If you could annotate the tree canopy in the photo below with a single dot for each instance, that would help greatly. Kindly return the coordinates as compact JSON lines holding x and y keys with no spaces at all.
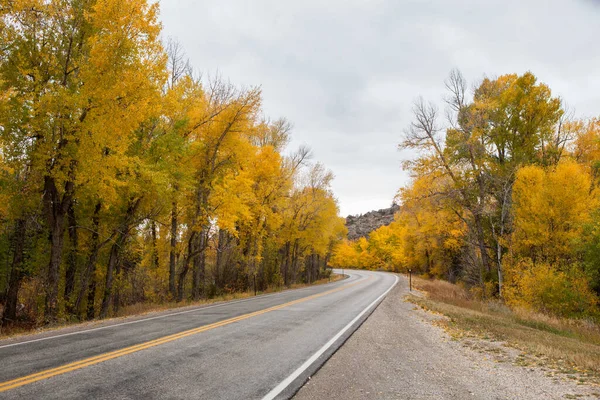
{"x":125,"y":178}
{"x":503,"y":197}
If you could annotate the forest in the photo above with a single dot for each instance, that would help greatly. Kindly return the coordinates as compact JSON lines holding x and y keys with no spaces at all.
{"x":126,"y":177}
{"x":503,"y":198}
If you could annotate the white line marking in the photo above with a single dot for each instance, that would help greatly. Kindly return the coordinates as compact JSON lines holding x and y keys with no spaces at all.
{"x":201,"y":308}
{"x":287,"y":381}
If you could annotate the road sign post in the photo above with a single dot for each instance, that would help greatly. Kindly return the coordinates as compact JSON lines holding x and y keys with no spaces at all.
{"x":410,"y":280}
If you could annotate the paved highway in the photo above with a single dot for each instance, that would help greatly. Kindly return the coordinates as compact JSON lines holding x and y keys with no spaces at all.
{"x":264,"y":347}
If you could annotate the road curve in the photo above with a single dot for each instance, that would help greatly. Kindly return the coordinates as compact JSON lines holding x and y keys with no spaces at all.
{"x":263,"y":347}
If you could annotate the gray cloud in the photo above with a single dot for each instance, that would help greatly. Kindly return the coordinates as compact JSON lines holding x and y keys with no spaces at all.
{"x":346,"y":72}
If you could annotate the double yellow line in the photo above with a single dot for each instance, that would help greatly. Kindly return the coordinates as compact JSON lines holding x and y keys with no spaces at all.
{"x":25,"y":380}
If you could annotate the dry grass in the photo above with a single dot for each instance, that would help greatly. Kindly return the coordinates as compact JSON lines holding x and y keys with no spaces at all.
{"x":571,"y":346}
{"x":141,"y":309}
{"x":144,"y":308}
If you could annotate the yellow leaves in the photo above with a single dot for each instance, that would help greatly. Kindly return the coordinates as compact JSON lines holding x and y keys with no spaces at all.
{"x":550,"y":208}
{"x":423,"y":237}
{"x":125,"y":69}
{"x":229,"y":200}
{"x":88,"y":115}
{"x":516,"y":116}
{"x":344,"y":255}
{"x":310,"y":214}
{"x":185,"y":104}
{"x":543,"y":288}
{"x":84,"y":91}
{"x":122,"y":27}
{"x":504,"y":189}
{"x":315,"y":219}
{"x":587,"y":141}
{"x":247,"y":188}
{"x":267,"y":189}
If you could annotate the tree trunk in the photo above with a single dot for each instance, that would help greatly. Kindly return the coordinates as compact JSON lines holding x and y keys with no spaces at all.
{"x":500,"y":272}
{"x":108,"y":289}
{"x":88,"y":278}
{"x":481,"y":242}
{"x":199,"y":265}
{"x":72,"y":259}
{"x":202,"y":267}
{"x":91,"y":311}
{"x":196,"y":251}
{"x":196,"y":273}
{"x":286,"y":264}
{"x":16,"y":272}
{"x":55,"y":208}
{"x":185,"y":268}
{"x":116,"y":301}
{"x":221,"y":245}
{"x":428,"y":260}
{"x":155,"y":260}
{"x":173,"y":250}
{"x":295,"y":262}
{"x":504,"y":222}
{"x":181,"y":279}
{"x":90,"y":284}
{"x":114,"y":256}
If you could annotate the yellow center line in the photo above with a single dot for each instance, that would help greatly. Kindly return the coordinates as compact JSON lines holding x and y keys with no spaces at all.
{"x":25,"y":380}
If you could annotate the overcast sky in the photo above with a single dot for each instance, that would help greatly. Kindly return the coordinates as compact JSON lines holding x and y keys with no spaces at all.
{"x":345,"y":72}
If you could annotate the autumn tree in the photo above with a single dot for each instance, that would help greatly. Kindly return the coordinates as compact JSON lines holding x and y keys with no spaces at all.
{"x":79,"y":86}
{"x":510,"y":121}
{"x":126,"y":177}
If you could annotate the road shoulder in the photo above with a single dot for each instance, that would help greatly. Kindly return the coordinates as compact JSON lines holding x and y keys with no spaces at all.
{"x":399,"y":353}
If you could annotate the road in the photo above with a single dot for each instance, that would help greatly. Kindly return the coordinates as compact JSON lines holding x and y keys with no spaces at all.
{"x":263,"y":347}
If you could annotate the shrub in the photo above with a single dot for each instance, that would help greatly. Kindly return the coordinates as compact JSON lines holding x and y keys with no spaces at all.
{"x":544,"y":288}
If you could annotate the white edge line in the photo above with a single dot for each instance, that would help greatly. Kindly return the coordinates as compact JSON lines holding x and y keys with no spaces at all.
{"x":197,"y":309}
{"x":287,"y":381}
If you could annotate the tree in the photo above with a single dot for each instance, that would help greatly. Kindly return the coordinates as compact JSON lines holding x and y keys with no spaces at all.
{"x":550,"y":211}
{"x":76,"y":97}
{"x":123,"y":174}
{"x":511,"y":120}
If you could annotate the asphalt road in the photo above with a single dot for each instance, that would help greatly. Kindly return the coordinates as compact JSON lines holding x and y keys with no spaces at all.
{"x":263,"y":347}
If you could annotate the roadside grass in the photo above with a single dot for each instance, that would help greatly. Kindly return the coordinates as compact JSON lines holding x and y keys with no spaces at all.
{"x":141,"y":309}
{"x":144,"y":308}
{"x":568,"y":346}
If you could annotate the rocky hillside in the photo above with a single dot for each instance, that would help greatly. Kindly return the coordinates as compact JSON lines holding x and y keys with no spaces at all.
{"x":361,"y":225}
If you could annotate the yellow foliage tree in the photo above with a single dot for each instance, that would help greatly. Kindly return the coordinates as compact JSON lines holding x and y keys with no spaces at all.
{"x":76,"y":99}
{"x":551,"y":208}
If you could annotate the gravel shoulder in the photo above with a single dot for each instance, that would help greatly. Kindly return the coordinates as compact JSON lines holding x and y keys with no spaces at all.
{"x":400,"y":353}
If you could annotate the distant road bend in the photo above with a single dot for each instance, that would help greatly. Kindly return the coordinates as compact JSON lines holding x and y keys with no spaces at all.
{"x":263,"y":347}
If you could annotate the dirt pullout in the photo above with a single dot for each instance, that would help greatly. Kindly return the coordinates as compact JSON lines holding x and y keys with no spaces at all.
{"x":398,"y":353}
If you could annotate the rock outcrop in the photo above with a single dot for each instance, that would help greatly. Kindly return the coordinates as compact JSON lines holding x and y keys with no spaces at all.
{"x":361,"y":225}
